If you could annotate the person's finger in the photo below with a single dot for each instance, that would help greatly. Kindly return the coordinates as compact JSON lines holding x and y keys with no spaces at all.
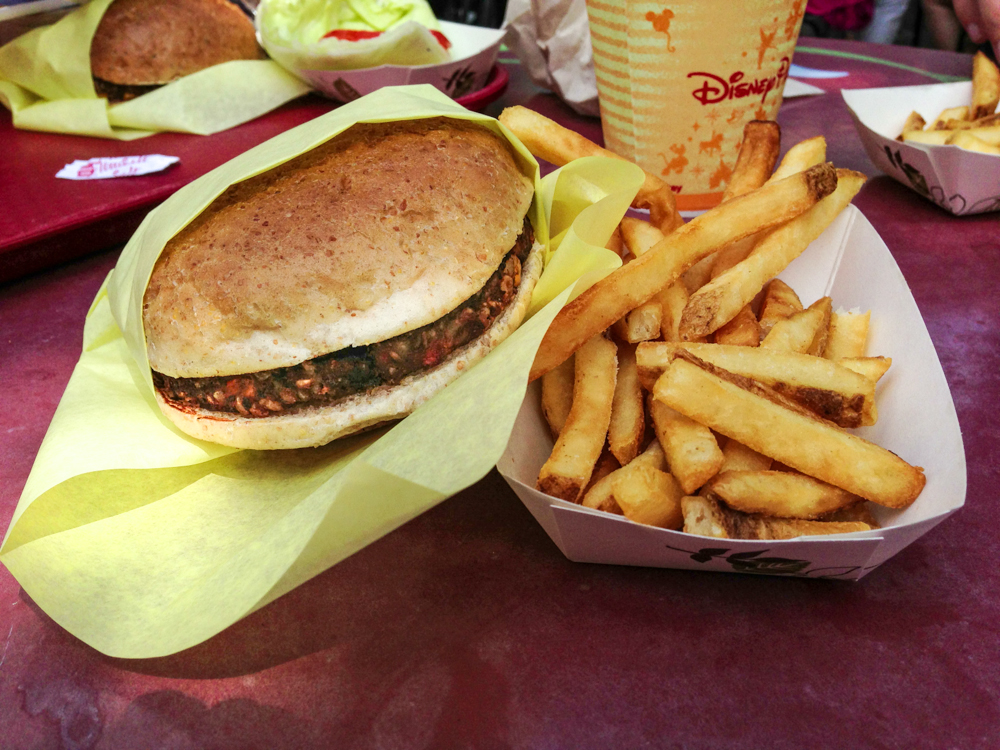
{"x":968,"y":12}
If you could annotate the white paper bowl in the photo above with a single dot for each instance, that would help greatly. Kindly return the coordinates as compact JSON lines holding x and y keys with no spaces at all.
{"x":474,"y":52}
{"x":917,"y":420}
{"x":960,"y":181}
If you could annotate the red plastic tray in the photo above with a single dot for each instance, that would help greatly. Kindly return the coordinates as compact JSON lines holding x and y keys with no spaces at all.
{"x":46,"y":221}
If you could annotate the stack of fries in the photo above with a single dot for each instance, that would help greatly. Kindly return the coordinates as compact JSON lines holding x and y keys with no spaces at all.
{"x":691,"y":389}
{"x":975,"y":127}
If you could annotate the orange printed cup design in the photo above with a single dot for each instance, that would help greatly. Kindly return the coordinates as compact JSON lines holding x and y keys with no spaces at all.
{"x":677,"y":82}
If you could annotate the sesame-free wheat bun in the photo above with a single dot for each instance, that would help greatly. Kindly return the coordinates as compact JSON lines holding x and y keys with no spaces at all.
{"x":342,"y":288}
{"x":142,"y":44}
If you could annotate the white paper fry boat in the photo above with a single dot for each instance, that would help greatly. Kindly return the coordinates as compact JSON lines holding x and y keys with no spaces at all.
{"x":917,"y":420}
{"x":960,"y":181}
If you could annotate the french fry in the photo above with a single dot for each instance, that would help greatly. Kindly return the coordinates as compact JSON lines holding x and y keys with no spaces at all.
{"x":639,"y":235}
{"x":821,"y":386}
{"x":693,"y":455}
{"x":872,"y":368}
{"x":628,"y":417}
{"x":579,"y":444}
{"x":796,"y":332}
{"x":807,"y":444}
{"x":779,"y":493}
{"x":985,"y":87}
{"x":699,"y":274}
{"x":952,"y":113}
{"x":641,"y":324}
{"x":636,"y":282}
{"x":600,"y":494}
{"x":740,"y":458}
{"x":557,"y":396}
{"x":717,"y":302}
{"x":707,"y":517}
{"x":848,"y":335}
{"x":648,"y":496}
{"x":982,"y":122}
{"x":990,"y":135}
{"x":743,"y":330}
{"x":860,"y":511}
{"x":672,"y":301}
{"x":606,"y":464}
{"x":780,"y":301}
{"x":913,"y":122}
{"x":548,"y":140}
{"x":965,"y":139}
{"x":616,"y":244}
{"x":800,"y":157}
{"x":818,"y":345}
{"x":927,"y":137}
{"x":756,"y":159}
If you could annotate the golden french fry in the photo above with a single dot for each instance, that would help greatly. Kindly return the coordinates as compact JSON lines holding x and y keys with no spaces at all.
{"x":990,"y":135}
{"x":639,"y":235}
{"x":848,"y":335}
{"x":860,"y":511}
{"x":642,"y":323}
{"x":913,"y":122}
{"x":616,"y":244}
{"x":927,"y":137}
{"x":699,"y":274}
{"x":557,"y":396}
{"x":600,"y":495}
{"x":982,"y":122}
{"x":796,"y":332}
{"x":693,"y":455}
{"x":628,"y":417}
{"x":823,"y":387}
{"x":729,"y":256}
{"x":716,"y":303}
{"x":780,"y":301}
{"x":872,"y":368}
{"x":579,"y":445}
{"x":818,"y":345}
{"x":801,"y":156}
{"x":648,"y":496}
{"x":951,"y":113}
{"x":985,"y":87}
{"x":779,"y":493}
{"x":549,"y":140}
{"x":740,"y":458}
{"x":634,"y":283}
{"x":743,"y":330}
{"x":965,"y":139}
{"x":757,"y":157}
{"x":672,"y":301}
{"x":707,"y":517}
{"x":805,"y":443}
{"x":606,"y":464}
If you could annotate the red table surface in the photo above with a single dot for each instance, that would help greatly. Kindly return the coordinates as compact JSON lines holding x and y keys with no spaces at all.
{"x":466,"y":628}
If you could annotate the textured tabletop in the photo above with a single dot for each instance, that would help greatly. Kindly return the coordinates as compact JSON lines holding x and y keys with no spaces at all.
{"x":467,"y":628}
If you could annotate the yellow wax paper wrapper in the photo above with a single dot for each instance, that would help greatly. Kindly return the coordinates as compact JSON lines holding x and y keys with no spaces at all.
{"x":46,"y":83}
{"x":142,"y":541}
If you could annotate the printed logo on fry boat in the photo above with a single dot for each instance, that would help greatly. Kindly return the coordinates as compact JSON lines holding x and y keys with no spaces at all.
{"x":713,"y":89}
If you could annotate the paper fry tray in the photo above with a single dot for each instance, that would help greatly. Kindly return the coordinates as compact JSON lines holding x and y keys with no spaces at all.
{"x":917,"y":420}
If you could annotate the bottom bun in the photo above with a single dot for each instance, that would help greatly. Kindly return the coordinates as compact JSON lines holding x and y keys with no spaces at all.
{"x":314,"y":426}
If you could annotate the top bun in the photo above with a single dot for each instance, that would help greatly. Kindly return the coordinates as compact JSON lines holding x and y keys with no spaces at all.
{"x":379,"y":231}
{"x":149,"y":42}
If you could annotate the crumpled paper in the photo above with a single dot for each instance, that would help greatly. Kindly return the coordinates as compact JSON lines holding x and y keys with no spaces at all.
{"x":552,"y":40}
{"x":142,"y":541}
{"x":46,"y":83}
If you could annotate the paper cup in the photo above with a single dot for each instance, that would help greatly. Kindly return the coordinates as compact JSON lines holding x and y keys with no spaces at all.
{"x":677,"y":84}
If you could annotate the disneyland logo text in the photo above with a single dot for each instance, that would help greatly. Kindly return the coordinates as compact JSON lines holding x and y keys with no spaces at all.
{"x":714,"y":89}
